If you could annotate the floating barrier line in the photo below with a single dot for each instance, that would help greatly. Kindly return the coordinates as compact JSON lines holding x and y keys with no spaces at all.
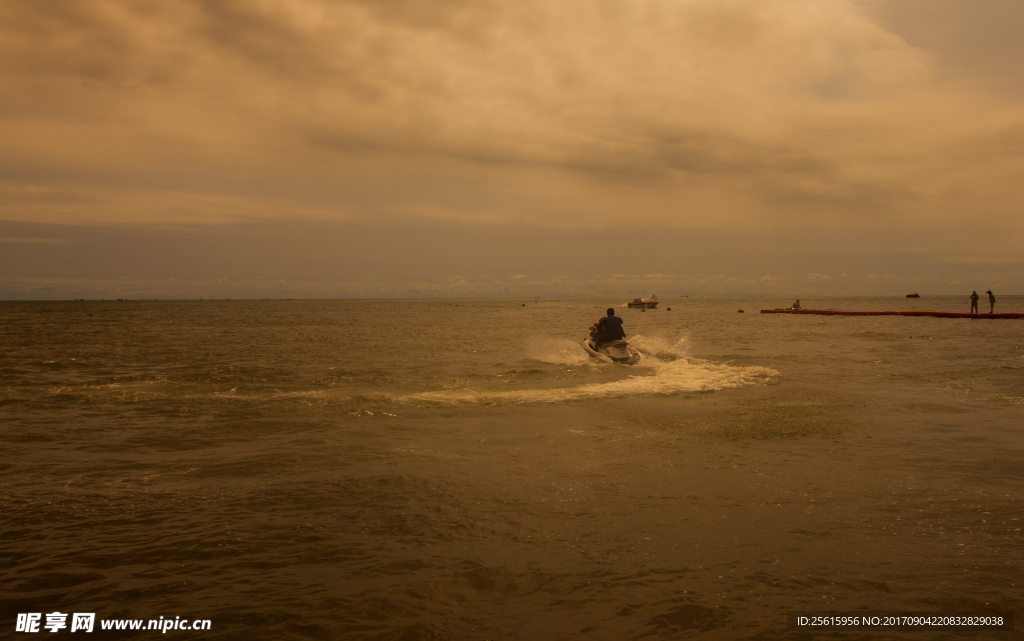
{"x":854,"y":312}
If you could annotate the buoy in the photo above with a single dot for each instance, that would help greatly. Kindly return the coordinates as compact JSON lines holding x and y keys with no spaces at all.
{"x":739,"y":311}
{"x":524,"y":304}
{"x":668,"y":309}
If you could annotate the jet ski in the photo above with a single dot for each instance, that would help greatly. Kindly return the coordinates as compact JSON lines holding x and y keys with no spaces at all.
{"x":617,"y":351}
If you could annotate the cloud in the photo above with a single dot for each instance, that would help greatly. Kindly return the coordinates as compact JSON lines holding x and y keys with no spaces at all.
{"x":44,"y":241}
{"x":793,"y":137}
{"x":978,"y":42}
{"x":59,"y":202}
{"x":721,"y":110}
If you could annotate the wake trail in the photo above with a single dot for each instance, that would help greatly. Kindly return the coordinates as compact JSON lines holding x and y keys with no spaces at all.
{"x":674,"y":372}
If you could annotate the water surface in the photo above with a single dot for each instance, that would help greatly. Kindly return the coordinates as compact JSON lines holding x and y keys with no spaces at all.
{"x":461,"y":469}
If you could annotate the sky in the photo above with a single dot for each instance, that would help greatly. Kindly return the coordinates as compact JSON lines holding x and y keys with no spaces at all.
{"x":397,"y":148}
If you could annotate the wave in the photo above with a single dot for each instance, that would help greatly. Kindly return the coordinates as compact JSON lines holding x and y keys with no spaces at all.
{"x":673,"y":372}
{"x":563,"y":351}
{"x":557,"y":351}
{"x":667,"y":368}
{"x":671,"y":378}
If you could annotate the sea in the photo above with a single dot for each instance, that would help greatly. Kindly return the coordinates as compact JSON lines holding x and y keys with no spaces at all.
{"x":462,"y":469}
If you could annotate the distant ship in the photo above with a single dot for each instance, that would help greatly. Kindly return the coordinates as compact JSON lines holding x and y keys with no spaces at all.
{"x":644,"y":303}
{"x":913,"y":296}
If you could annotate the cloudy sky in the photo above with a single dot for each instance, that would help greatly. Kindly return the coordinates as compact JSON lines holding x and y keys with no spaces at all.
{"x":338,"y":148}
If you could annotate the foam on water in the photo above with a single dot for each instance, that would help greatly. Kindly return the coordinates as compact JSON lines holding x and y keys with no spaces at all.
{"x":683,"y":375}
{"x":673,"y":372}
{"x":661,"y":345}
{"x":666,"y":368}
{"x":564,"y":351}
{"x":557,"y":351}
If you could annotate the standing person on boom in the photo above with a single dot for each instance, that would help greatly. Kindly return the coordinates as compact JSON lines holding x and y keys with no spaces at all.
{"x":974,"y":302}
{"x":991,"y":302}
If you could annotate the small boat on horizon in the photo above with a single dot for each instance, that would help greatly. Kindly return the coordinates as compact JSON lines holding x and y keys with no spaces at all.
{"x":913,"y":296}
{"x":644,"y":303}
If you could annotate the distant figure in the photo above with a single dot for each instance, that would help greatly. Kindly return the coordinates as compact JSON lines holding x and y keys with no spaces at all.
{"x":974,"y":302}
{"x":991,"y":302}
{"x":608,"y":328}
{"x":796,"y":305}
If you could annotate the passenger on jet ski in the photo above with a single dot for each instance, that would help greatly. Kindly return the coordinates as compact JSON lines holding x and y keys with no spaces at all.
{"x":607,"y":341}
{"x":608,"y":328}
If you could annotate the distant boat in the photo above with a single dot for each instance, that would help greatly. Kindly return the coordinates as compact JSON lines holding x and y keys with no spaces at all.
{"x":644,"y":303}
{"x":913,"y":296}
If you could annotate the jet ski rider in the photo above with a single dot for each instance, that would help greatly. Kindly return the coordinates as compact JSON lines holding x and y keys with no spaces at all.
{"x":608,"y":329}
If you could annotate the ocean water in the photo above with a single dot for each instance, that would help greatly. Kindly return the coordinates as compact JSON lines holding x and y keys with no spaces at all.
{"x":460,"y":469}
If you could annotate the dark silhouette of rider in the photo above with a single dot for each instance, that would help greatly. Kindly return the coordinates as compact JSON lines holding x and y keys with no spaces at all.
{"x":609,"y":328}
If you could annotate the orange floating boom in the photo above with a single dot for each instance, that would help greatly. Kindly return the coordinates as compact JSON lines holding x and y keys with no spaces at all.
{"x":853,"y":312}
